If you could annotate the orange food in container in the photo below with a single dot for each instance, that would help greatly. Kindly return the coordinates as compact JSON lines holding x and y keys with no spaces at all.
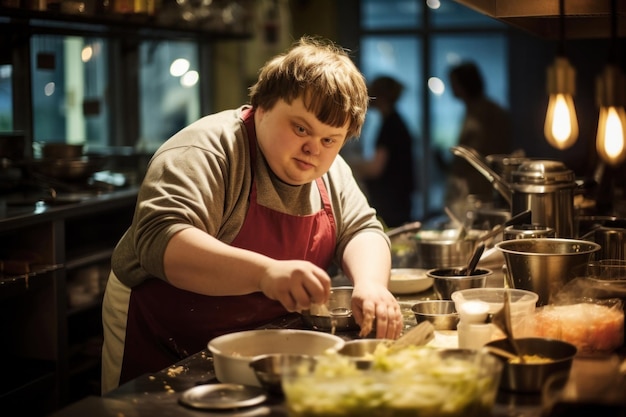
{"x":591,"y":327}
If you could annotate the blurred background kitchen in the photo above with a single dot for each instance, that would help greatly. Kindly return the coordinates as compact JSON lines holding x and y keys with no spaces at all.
{"x":116,"y":78}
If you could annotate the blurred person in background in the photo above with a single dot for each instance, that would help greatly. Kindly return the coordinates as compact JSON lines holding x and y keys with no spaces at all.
{"x":388,"y":177}
{"x":486,"y":128}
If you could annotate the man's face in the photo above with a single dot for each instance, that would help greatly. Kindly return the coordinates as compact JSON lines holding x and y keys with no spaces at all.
{"x":298,"y":147}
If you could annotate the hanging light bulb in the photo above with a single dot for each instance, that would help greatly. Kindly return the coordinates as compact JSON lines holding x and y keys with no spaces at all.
{"x":610,"y":96}
{"x":561,"y":125}
{"x":611,"y":136}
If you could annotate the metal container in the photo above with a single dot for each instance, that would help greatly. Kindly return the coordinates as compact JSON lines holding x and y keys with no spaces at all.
{"x":527,"y":231}
{"x":611,"y":239}
{"x":319,"y":318}
{"x":544,"y":187}
{"x":269,"y":368}
{"x":448,"y":280}
{"x":529,"y":377}
{"x":443,"y":248}
{"x":547,"y":189}
{"x":543,"y":266}
{"x":441,"y":314}
{"x":360,"y":350}
{"x":403,"y":250}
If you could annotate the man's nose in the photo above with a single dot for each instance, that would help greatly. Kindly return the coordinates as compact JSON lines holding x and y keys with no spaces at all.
{"x":311,"y":147}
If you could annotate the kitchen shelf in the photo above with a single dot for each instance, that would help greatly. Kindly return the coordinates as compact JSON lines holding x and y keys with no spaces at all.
{"x":113,"y":24}
{"x":39,"y":321}
{"x":17,"y":284}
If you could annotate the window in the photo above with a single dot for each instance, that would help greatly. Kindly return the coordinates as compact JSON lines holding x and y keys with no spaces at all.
{"x":169,"y":90}
{"x":6,"y":98}
{"x":69,"y":89}
{"x":417,"y":42}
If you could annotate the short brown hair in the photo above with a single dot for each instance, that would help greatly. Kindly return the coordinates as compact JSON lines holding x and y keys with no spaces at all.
{"x":323,"y":74}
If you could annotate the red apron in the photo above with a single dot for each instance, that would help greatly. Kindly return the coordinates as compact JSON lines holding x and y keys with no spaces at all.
{"x":166,"y":324}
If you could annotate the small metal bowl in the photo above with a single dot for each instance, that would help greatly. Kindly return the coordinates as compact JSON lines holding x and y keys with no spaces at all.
{"x":339,"y":303}
{"x":448,"y":280}
{"x":361,"y":350}
{"x":441,"y":314}
{"x":269,"y":369}
{"x":529,"y":377}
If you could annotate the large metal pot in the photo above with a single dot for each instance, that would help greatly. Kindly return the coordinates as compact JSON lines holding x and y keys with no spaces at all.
{"x":545,"y":187}
{"x":443,"y":248}
{"x":544,"y":266}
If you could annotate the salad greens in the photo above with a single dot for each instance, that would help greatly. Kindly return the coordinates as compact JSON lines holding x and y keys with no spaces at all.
{"x":414,"y":381}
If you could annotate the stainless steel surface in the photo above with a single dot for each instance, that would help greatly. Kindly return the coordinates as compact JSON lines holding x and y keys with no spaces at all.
{"x":583,"y":18}
{"x":544,"y":266}
{"x":222,"y":396}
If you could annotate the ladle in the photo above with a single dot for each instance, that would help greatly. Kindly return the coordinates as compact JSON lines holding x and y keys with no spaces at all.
{"x":501,"y":352}
{"x":502,"y":320}
{"x":517,"y":219}
{"x":471,"y":265}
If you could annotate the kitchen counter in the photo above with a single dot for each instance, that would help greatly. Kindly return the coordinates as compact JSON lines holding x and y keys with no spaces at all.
{"x":23,"y":209}
{"x":157,"y":394}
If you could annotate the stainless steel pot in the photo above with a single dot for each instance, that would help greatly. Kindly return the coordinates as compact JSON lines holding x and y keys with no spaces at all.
{"x":543,"y":186}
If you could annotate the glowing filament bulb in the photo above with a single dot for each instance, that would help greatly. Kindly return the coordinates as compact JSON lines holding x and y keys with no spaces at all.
{"x":611,"y":135}
{"x":561,"y":128}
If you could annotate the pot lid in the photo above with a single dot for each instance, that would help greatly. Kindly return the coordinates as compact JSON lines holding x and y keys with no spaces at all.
{"x":544,"y":172}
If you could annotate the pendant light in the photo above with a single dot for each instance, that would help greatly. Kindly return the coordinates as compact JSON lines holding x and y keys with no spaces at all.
{"x":561,"y":125}
{"x":610,"y":85}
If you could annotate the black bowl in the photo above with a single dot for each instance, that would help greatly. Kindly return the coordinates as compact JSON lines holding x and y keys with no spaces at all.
{"x":530,"y":376}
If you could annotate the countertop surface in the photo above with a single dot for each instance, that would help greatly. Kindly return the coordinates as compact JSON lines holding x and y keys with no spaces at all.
{"x":158,"y":394}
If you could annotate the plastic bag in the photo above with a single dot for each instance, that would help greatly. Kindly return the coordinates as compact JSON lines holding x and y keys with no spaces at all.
{"x":584,"y":313}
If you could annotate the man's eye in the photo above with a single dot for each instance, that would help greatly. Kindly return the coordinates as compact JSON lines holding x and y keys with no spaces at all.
{"x":300,"y":130}
{"x":328,"y":141}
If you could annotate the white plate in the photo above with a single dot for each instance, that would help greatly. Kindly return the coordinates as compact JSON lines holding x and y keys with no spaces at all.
{"x":409,"y":280}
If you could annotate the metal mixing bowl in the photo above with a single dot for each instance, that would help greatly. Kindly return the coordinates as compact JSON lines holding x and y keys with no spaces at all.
{"x":339,"y":302}
{"x":530,"y":376}
{"x":441,"y":313}
{"x":361,"y":350}
{"x":269,"y":368}
{"x":543,"y":266}
{"x":448,"y":280}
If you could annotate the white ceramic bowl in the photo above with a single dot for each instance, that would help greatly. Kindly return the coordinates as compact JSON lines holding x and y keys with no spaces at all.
{"x":409,"y":280}
{"x":233,"y":352}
